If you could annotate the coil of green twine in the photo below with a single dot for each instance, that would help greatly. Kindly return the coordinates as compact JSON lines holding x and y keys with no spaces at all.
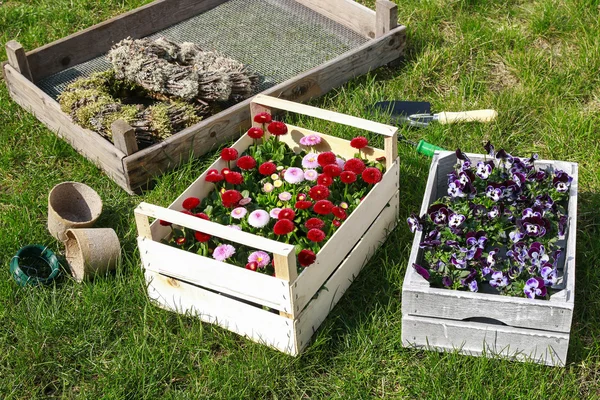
{"x":34,"y":265}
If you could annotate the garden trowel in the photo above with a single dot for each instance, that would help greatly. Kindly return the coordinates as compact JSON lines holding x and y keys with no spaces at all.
{"x":418,"y":113}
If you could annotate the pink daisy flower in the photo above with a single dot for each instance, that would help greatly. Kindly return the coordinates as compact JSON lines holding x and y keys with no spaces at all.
{"x":258,"y":218}
{"x":244,"y":201}
{"x":310,"y":161}
{"x":311,"y":175}
{"x":340,"y":162}
{"x":274,"y":213}
{"x":285,"y":196}
{"x":223,"y":252}
{"x":239,"y":212}
{"x":260,"y":257}
{"x":310,"y":140}
{"x":293,"y":175}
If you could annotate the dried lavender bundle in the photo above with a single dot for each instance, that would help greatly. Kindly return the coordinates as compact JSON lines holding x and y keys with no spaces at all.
{"x":181,"y":70}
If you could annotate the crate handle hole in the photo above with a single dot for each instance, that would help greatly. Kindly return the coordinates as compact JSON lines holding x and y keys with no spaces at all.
{"x":485,"y":320}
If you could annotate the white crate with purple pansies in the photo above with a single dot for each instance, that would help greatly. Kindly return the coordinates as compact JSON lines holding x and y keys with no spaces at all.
{"x":492,"y":266}
{"x":266,"y":241}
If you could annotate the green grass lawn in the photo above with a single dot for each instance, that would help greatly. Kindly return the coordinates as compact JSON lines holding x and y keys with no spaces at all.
{"x":536,"y":62}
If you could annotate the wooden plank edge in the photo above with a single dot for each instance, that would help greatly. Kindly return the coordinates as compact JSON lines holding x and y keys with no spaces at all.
{"x":555,"y":354}
{"x":350,"y":14}
{"x":215,"y":275}
{"x":326,"y":115}
{"x":258,"y":325}
{"x":317,"y":310}
{"x":142,"y":166}
{"x":457,"y":305}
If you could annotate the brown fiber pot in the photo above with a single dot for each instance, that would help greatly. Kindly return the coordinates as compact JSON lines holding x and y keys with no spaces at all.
{"x":92,"y":251}
{"x":72,"y":205}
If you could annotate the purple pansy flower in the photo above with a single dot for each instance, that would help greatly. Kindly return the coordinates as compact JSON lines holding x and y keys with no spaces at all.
{"x":498,"y":280}
{"x":455,"y":189}
{"x":489,"y":147}
{"x":561,"y":181}
{"x":414,"y":223}
{"x":473,"y":287}
{"x":484,"y":170}
{"x":494,"y":212}
{"x":549,"y":275}
{"x":460,"y":263}
{"x":506,"y":159}
{"x":494,"y":193}
{"x":534,"y":287}
{"x":516,"y":236}
{"x":432,"y":239}
{"x":456,"y":220}
{"x":544,"y":201}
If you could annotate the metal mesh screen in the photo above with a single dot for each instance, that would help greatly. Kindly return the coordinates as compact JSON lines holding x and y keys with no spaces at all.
{"x":278,"y":39}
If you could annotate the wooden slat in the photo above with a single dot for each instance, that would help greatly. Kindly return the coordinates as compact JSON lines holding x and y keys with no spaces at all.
{"x":123,"y":137}
{"x":17,"y":58}
{"x":214,"y":229}
{"x":97,"y":149}
{"x":512,"y":311}
{"x":327,"y":115}
{"x":318,"y":309}
{"x":252,"y":322}
{"x":329,"y":143}
{"x":98,"y":39}
{"x":355,"y":16}
{"x":474,"y":338}
{"x":212,"y":274}
{"x":208,"y":134}
{"x":340,"y":244}
{"x":386,"y":17}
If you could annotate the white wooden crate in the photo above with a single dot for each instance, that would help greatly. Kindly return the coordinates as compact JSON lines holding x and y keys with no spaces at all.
{"x":233,"y":297}
{"x":485,"y":323}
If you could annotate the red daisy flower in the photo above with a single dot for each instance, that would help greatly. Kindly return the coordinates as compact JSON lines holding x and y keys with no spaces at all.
{"x":300,"y":197}
{"x":337,"y":223}
{"x":235,"y":178}
{"x":303,"y":204}
{"x":231,"y":198}
{"x":359,"y":142}
{"x":316,"y":235}
{"x":277,"y":128}
{"x":165,"y":223}
{"x":339,"y":213}
{"x":267,"y":168}
{"x":180,"y":241}
{"x":355,"y":165}
{"x":202,"y":215}
{"x":252,"y":266}
{"x":306,"y":257}
{"x":255,"y":132}
{"x":318,"y":192}
{"x":246,"y":163}
{"x":314,"y":223}
{"x":286,"y":213}
{"x":229,"y":154}
{"x":326,"y":158}
{"x":202,"y":237}
{"x":324,"y":180}
{"x":213,"y":176}
{"x":371,"y":175}
{"x":283,"y":227}
{"x":190,"y":203}
{"x":187,"y":212}
{"x":348,"y":177}
{"x":262,"y":118}
{"x":323,"y":207}
{"x":333,"y":170}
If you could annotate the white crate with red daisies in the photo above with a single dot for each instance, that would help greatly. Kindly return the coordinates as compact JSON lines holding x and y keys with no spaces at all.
{"x":267,"y":240}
